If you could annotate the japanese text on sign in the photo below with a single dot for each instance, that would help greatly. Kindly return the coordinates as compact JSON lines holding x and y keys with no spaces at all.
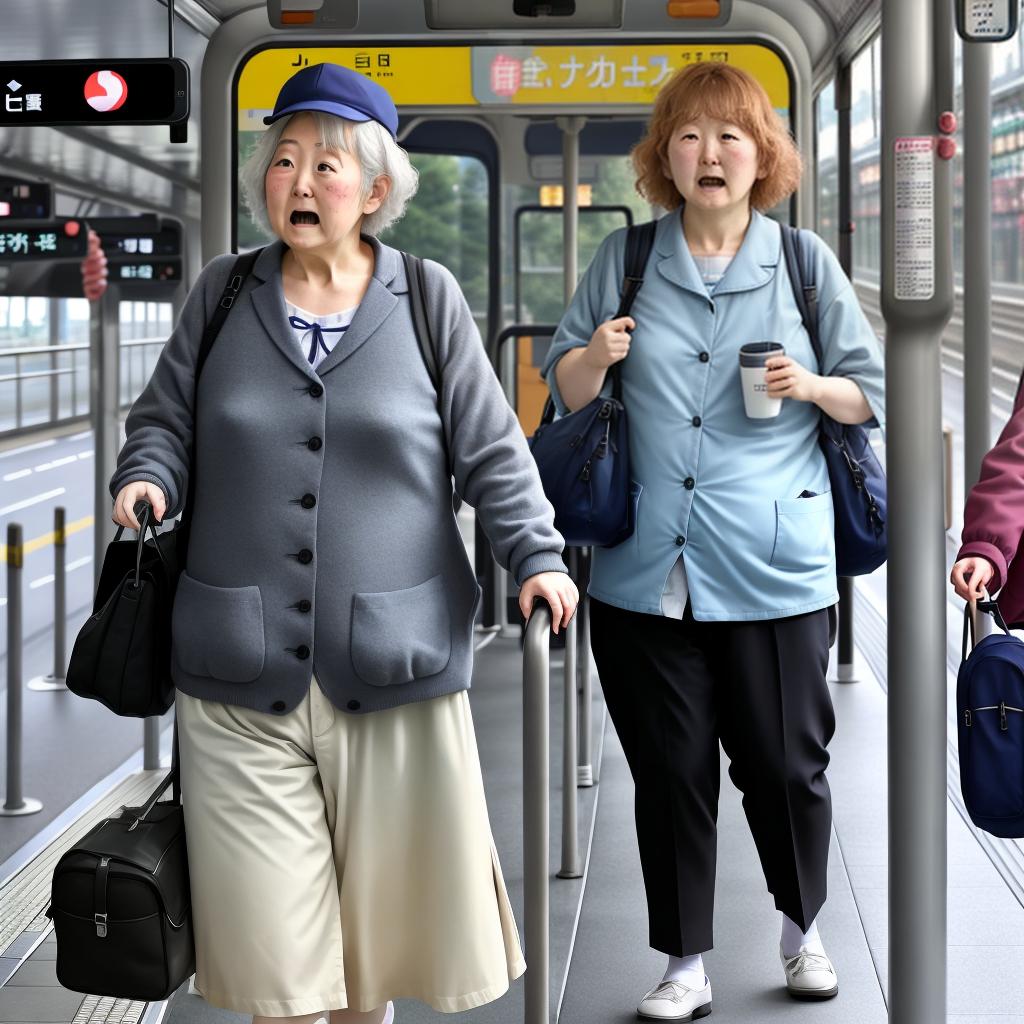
{"x":437,"y":76}
{"x":915,"y":218}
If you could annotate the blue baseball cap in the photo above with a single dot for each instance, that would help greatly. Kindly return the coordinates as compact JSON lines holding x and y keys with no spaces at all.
{"x":333,"y":89}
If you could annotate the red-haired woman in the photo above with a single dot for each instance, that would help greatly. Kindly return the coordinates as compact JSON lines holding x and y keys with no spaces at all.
{"x":711,"y":623}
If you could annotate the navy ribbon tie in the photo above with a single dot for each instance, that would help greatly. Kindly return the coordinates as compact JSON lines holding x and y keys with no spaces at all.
{"x":318,"y":334}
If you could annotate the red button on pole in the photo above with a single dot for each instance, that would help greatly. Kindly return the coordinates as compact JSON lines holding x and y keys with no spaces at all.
{"x":947,"y":149}
{"x":947,"y":122}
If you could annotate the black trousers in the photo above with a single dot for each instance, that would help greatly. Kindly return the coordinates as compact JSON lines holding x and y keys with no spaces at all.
{"x":674,"y":689}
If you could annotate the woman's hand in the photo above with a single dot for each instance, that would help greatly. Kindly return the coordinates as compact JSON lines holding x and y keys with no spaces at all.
{"x":970,"y":575}
{"x":610,"y":342}
{"x":786,"y":378}
{"x":558,"y":589}
{"x":137,"y":490}
{"x":94,"y":269}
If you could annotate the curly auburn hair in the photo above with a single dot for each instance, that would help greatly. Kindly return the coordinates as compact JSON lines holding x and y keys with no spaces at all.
{"x":726,"y":93}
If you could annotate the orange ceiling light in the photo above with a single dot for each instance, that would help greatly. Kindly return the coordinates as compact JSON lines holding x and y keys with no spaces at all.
{"x":694,"y":8}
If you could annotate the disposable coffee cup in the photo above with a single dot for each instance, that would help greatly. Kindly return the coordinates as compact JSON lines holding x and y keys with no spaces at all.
{"x":753,"y":357}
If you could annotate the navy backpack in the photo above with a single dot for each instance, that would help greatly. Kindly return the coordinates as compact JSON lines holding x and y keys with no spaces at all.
{"x":990,"y":727}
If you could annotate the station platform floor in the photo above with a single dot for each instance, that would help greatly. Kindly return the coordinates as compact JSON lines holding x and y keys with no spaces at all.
{"x":600,"y":961}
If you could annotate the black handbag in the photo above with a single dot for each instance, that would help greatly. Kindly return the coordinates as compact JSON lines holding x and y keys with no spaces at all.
{"x":583,"y":458}
{"x":120,"y":902}
{"x":855,"y":474}
{"x":122,"y":654}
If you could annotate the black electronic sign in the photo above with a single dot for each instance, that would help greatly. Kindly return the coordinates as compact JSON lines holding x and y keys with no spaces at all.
{"x":141,"y":249}
{"x":94,"y":92}
{"x":25,"y":200}
{"x":35,"y":240}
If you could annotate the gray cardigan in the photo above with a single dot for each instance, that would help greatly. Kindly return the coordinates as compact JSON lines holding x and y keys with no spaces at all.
{"x":323,"y":538}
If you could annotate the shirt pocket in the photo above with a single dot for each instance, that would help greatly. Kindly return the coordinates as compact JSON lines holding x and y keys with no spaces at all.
{"x":804,"y":533}
{"x":401,"y":635}
{"x":218,"y":631}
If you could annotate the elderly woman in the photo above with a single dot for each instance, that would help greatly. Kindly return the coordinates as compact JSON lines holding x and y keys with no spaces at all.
{"x":339,"y":846}
{"x":711,"y":623}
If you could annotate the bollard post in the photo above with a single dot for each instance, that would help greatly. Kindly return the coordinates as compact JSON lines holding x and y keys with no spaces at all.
{"x":56,"y":681}
{"x":584,"y":767}
{"x":15,"y":804}
{"x":845,"y":669}
{"x":570,"y":845}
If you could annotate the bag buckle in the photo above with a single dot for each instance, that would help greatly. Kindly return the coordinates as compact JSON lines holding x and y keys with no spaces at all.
{"x":101,"y":925}
{"x":605,"y":412}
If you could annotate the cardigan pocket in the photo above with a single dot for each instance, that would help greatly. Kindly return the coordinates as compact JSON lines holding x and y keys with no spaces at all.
{"x":804,"y":529}
{"x":401,"y":635}
{"x":218,"y":631}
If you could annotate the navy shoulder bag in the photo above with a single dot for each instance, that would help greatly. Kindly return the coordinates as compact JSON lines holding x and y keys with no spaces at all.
{"x":856,"y":476}
{"x":583,"y":458}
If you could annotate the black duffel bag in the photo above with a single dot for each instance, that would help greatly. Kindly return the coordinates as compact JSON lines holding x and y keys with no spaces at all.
{"x":120,"y":903}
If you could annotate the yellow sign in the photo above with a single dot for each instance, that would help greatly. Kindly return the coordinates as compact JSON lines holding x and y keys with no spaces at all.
{"x":495,"y":76}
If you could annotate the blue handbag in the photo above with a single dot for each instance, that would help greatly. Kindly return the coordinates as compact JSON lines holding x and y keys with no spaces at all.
{"x":990,"y":728}
{"x":856,"y":476}
{"x":583,"y":457}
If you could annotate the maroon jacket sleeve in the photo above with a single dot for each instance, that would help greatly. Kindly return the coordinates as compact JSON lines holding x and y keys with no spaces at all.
{"x":994,"y":514}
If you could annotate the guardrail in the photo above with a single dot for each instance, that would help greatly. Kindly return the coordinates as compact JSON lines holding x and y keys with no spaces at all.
{"x":19,"y":376}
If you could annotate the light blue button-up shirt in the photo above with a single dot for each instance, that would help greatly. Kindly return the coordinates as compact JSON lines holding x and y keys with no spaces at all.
{"x":718,"y":489}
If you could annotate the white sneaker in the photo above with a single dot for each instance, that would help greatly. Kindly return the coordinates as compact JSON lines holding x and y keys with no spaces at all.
{"x":809,"y":975}
{"x":672,"y":1000}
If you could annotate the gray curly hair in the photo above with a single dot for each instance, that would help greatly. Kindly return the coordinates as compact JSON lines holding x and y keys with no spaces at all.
{"x":378,"y":154}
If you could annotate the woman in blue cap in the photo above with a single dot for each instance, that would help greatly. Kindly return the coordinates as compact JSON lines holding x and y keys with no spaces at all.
{"x":340,"y":852}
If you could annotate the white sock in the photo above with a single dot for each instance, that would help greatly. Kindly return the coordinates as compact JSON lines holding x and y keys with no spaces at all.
{"x":687,"y":969}
{"x":795,"y":941}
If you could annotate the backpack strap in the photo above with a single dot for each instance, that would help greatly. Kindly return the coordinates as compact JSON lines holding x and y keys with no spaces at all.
{"x":239,"y":272}
{"x":421,"y":322}
{"x":416,"y":278}
{"x":801,"y":277}
{"x":639,"y":242}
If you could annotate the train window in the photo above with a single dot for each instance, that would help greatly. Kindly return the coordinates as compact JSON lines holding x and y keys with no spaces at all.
{"x":865,"y":177}
{"x":827,"y":157}
{"x":540,"y":285}
{"x":447,"y":222}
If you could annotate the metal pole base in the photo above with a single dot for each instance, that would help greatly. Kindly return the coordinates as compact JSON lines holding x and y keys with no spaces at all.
{"x":846,"y":674}
{"x":47,"y":683}
{"x":584,"y":775}
{"x":566,"y":873}
{"x":28,"y":806}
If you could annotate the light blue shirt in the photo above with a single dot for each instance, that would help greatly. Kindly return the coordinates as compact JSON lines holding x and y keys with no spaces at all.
{"x":719,"y":489}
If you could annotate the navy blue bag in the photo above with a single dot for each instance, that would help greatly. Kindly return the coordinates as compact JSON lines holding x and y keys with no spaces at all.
{"x":583,"y":458}
{"x":856,"y":476}
{"x":990,"y":727}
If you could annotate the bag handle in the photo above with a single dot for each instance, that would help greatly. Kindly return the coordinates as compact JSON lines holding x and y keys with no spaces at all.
{"x":971,"y":622}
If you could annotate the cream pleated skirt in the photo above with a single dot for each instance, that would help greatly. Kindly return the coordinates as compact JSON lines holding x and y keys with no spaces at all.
{"x":342,"y":860}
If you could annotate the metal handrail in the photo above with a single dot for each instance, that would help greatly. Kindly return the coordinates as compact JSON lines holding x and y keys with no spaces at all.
{"x":536,"y":812}
{"x":44,"y":350}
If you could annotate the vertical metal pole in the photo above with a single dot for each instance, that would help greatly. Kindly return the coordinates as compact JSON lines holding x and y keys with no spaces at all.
{"x":536,"y":816}
{"x":846,"y":671}
{"x":916,"y":302}
{"x":570,"y":842}
{"x":60,"y":616}
{"x":977,"y":107}
{"x":55,"y":307}
{"x":585,"y":769}
{"x":103,"y":387}
{"x":15,"y":804}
